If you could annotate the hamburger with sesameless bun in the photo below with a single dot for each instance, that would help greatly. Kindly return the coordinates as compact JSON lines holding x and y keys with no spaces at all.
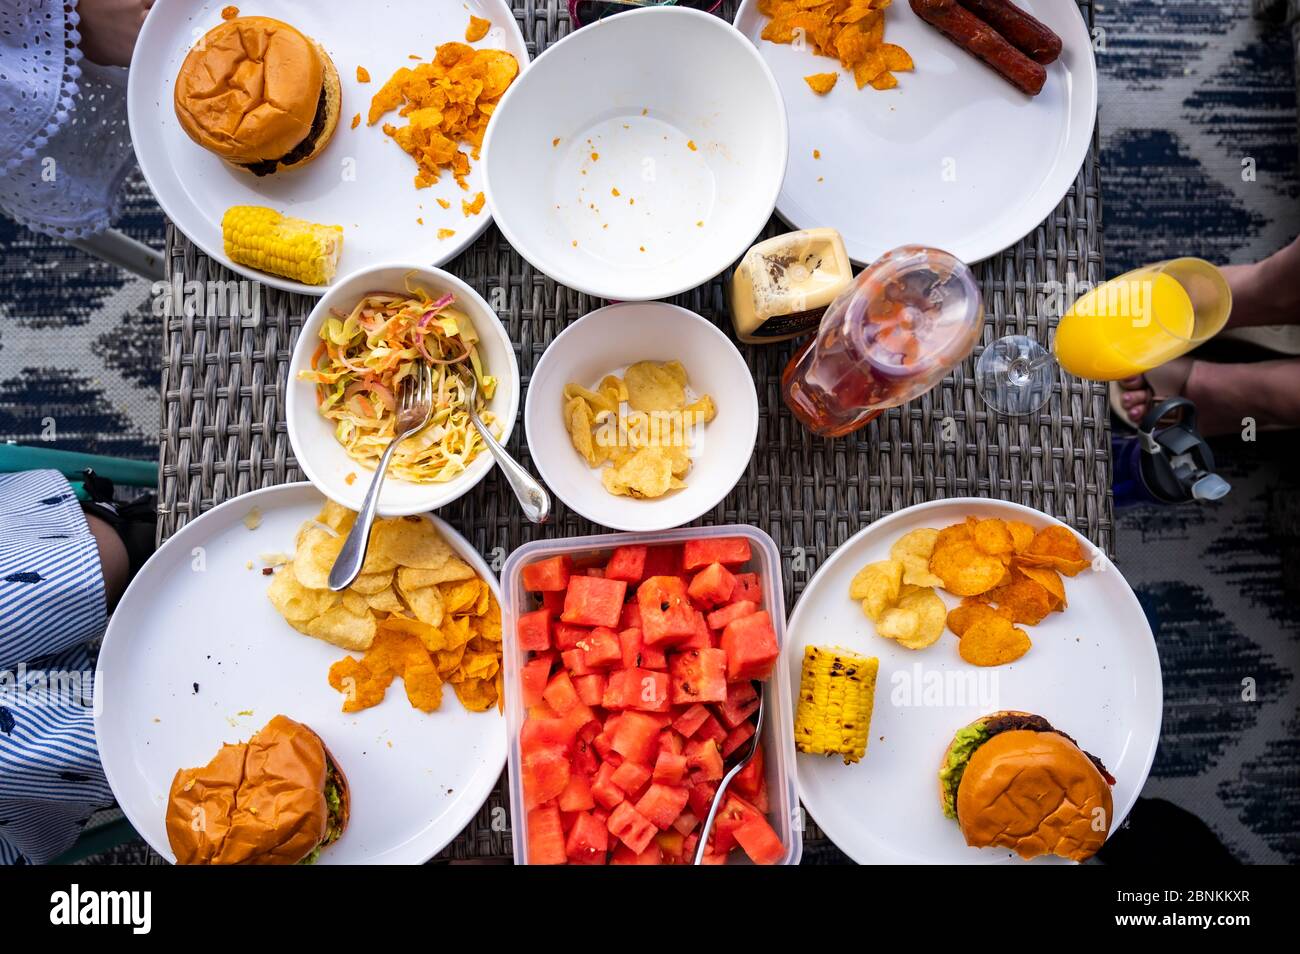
{"x":277,"y":799}
{"x":259,"y":94}
{"x":1012,"y":780}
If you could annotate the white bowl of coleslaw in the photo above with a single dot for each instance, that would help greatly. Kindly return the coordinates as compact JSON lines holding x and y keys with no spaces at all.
{"x":356,"y":346}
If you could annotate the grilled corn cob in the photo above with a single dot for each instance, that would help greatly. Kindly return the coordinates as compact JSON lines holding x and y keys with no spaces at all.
{"x":836,"y":692}
{"x":264,"y":239}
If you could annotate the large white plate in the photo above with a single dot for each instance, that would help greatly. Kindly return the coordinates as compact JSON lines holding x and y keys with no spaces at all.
{"x":954,"y":157}
{"x":1093,"y":672}
{"x":196,"y":614}
{"x":361,"y":180}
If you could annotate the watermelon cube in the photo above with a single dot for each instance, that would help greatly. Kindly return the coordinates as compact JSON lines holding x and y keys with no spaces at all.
{"x":699,"y":675}
{"x":747,"y":588}
{"x":630,"y":618}
{"x":593,"y":601}
{"x":533,"y":678}
{"x":731,"y":551}
{"x":575,"y":660}
{"x":737,"y":737}
{"x":704,"y":760}
{"x":603,"y":789}
{"x":712,"y":586}
{"x":739,"y":705}
{"x":666,"y":611}
{"x":626,"y":563}
{"x":548,"y":576}
{"x":630,"y":777}
{"x":670,"y":769}
{"x":534,"y":630}
{"x":567,"y":636}
{"x":662,"y":804}
{"x":751,"y":648}
{"x":576,"y":796}
{"x":588,"y":840}
{"x":719,"y":618}
{"x":553,"y":603}
{"x":590,"y":689}
{"x":623,"y":855}
{"x":636,"y":654}
{"x":759,"y":840}
{"x":545,"y":836}
{"x":600,"y":648}
{"x":689,"y":721}
{"x":636,"y":737}
{"x":665,"y":560}
{"x":545,"y":775}
{"x":631,"y":827}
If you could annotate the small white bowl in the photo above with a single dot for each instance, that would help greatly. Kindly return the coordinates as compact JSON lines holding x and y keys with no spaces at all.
{"x":323,"y":459}
{"x":690,"y":133}
{"x":606,"y":341}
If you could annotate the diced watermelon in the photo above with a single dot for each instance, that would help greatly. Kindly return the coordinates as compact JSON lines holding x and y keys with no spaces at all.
{"x":626,"y":563}
{"x":701,"y":799}
{"x":593,"y":601}
{"x":542,"y":732}
{"x":575,"y":660}
{"x":533,"y":678}
{"x":646,"y":689}
{"x":630,"y":777}
{"x":548,"y":576}
{"x":670,"y":769}
{"x":712,"y":586}
{"x":737,"y":737}
{"x":561,"y":696}
{"x":731,"y":551}
{"x":630,"y":617}
{"x":733,"y":813}
{"x":534,"y":631}
{"x":747,"y":589}
{"x":631,"y":827}
{"x":567,"y":636}
{"x":699,"y":675}
{"x":759,"y":841}
{"x":615,"y":695}
{"x":603,"y":789}
{"x":686,"y":822}
{"x":601,"y":743}
{"x":666,"y":611}
{"x":719,"y":618}
{"x":701,"y":637}
{"x":588,"y":840}
{"x":623,"y":855}
{"x":689,"y":845}
{"x":545,"y":836}
{"x":750,"y":644}
{"x":663,"y":803}
{"x":665,"y":560}
{"x":689,"y":722}
{"x":710,"y":730}
{"x":585,"y":761}
{"x":545,"y":775}
{"x":636,"y":654}
{"x":576,"y":796}
{"x":671,"y":741}
{"x":749,"y":779}
{"x":590,"y":689}
{"x":553,"y":603}
{"x":704,"y":760}
{"x":740,"y":704}
{"x":636,"y":737}
{"x":601,"y":648}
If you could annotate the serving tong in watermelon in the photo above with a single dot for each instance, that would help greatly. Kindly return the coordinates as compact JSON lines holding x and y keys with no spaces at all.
{"x":737,"y":767}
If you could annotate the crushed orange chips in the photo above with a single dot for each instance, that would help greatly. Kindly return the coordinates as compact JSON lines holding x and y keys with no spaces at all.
{"x":356,"y":120}
{"x":851,"y":31}
{"x":477,"y":29}
{"x":363,"y":75}
{"x":446,"y":103}
{"x":474,"y":207}
{"x":445,"y":233}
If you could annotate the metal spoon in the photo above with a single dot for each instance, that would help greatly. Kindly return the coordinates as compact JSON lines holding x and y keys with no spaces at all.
{"x":533,"y":498}
{"x":754,"y":743}
{"x":414,"y":408}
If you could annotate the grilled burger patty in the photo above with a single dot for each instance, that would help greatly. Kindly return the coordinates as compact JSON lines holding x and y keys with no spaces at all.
{"x":300,"y":151}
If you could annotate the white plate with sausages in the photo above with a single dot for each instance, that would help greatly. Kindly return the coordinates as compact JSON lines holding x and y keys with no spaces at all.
{"x":955,"y":157}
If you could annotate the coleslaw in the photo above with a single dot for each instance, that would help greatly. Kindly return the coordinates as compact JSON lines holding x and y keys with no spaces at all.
{"x":360,"y":364}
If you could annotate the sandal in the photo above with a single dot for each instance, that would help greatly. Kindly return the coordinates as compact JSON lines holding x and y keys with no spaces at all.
{"x":1166,"y":381}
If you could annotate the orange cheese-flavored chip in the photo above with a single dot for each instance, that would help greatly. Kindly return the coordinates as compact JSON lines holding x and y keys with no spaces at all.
{"x":850,"y":31}
{"x":1049,"y":579}
{"x":1024,"y":600}
{"x":965,"y":569}
{"x":971,"y":611}
{"x":821,"y":83}
{"x":1055,"y":547}
{"x":993,"y":641}
{"x":992,"y":536}
{"x":477,"y":29}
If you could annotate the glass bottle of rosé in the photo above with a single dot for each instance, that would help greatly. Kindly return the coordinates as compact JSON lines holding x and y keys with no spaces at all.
{"x":893,"y":334}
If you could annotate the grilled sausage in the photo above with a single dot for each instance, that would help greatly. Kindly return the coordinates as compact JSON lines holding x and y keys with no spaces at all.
{"x":1030,"y":36}
{"x":979,"y":39}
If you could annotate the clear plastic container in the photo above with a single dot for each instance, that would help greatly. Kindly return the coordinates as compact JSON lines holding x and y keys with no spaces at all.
{"x":778,"y":721}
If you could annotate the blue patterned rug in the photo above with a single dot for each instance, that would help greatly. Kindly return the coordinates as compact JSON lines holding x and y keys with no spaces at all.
{"x":1194,"y":93}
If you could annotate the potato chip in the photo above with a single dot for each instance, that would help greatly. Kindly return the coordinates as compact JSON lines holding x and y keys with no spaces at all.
{"x":1023,"y":600}
{"x":646,"y":474}
{"x":931,"y":614}
{"x":850,"y":31}
{"x":1022,"y":534}
{"x":386,"y":602}
{"x":1049,"y":579}
{"x":965,"y":569}
{"x":962,"y":617}
{"x":368,"y":584}
{"x":412,"y":542}
{"x":993,"y":641}
{"x":361,"y":688}
{"x":426,"y":604}
{"x":992,"y":536}
{"x":821,"y":83}
{"x":338,"y":626}
{"x":460,"y":598}
{"x":356,"y":604}
{"x":423,"y":686}
{"x":295,"y":602}
{"x":1056,"y":547}
{"x":414,"y":578}
{"x":898,"y":623}
{"x":652,"y":386}
{"x":477,"y":29}
{"x":913,"y":550}
{"x":477,"y":695}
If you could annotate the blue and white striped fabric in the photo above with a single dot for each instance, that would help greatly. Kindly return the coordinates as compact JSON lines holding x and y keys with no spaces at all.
{"x":51,"y":604}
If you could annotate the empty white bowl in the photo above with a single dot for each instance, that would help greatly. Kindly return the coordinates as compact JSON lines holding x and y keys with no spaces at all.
{"x":606,"y":341}
{"x":639,"y":156}
{"x":323,"y":459}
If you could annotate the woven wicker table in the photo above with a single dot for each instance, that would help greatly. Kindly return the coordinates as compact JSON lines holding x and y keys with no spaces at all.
{"x":223,"y":425}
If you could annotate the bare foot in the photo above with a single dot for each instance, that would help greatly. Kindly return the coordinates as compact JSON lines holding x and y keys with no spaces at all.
{"x":1140,"y":393}
{"x":1267,"y":292}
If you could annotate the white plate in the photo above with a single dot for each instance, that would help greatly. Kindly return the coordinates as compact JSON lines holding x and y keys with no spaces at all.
{"x":955,"y":157}
{"x":361,"y":180}
{"x":322,"y":458}
{"x":606,"y":341}
{"x":655,"y":144}
{"x":197,"y":614}
{"x":1093,"y":672}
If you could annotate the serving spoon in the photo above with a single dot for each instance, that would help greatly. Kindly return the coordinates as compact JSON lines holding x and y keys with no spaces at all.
{"x":754,"y":743}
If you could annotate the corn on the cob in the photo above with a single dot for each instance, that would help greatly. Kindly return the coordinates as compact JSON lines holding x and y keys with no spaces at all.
{"x":264,"y":239}
{"x":836,"y":691}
